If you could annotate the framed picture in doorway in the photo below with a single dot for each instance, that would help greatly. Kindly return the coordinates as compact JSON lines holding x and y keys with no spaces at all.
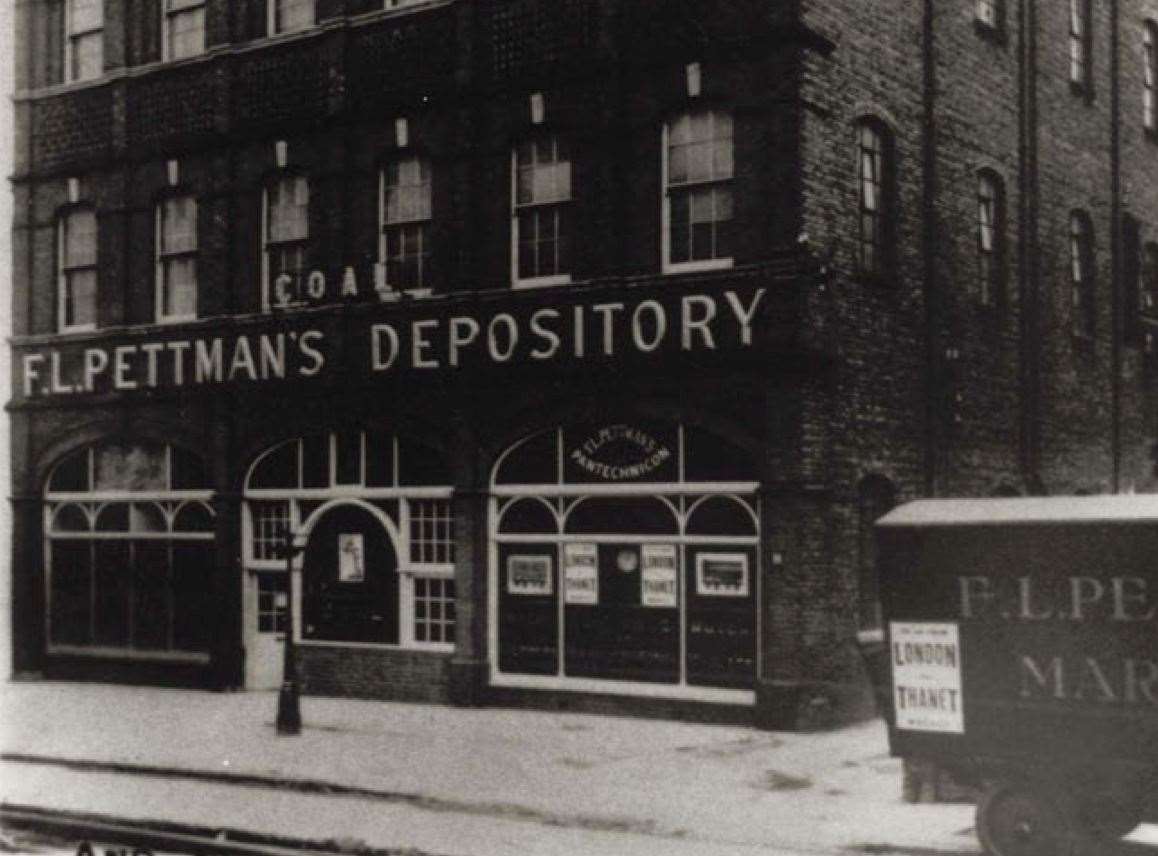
{"x":529,"y":575}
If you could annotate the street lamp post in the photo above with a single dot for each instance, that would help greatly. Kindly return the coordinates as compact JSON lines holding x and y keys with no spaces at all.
{"x":289,"y":710}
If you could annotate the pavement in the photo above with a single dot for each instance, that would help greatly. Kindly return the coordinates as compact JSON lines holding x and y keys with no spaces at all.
{"x":467,"y":782}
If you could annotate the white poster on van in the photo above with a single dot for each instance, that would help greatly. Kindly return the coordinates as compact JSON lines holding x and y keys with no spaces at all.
{"x":580,"y":574}
{"x":926,"y":664}
{"x":658,"y":581}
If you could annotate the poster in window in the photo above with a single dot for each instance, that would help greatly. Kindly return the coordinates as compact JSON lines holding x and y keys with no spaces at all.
{"x":580,"y":574}
{"x":351,"y":558}
{"x":530,"y":575}
{"x":722,"y":575}
{"x":658,"y":586}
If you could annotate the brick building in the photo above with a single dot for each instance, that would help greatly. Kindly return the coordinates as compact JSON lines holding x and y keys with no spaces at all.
{"x":579,"y":341}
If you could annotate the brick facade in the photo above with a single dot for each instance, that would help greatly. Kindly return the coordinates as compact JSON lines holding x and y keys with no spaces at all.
{"x":907,"y":382}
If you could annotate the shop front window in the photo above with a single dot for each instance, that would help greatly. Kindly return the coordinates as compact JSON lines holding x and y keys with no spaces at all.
{"x":129,"y":552}
{"x":618,"y":568}
{"x":378,"y":567}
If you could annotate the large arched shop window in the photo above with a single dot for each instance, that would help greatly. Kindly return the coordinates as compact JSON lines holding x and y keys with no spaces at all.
{"x":129,"y":551}
{"x":406,"y":481}
{"x":627,"y":553}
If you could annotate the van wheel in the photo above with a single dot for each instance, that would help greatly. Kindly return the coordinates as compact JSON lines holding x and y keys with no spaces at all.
{"x":1022,"y":820}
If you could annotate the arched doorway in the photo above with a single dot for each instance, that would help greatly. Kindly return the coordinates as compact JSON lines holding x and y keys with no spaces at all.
{"x":372,"y":493}
{"x":624,"y":560}
{"x":349,"y":578}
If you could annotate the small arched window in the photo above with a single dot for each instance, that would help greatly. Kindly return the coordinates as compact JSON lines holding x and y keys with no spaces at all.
{"x":1080,"y":44}
{"x":1149,"y":72}
{"x":875,"y":199}
{"x":1082,"y":297}
{"x":990,"y":238}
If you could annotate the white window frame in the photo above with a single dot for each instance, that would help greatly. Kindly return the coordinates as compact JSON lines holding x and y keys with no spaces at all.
{"x":70,"y":39}
{"x":425,"y":223}
{"x":162,"y":257}
{"x":272,"y":17}
{"x":172,"y":10}
{"x":668,"y":266}
{"x":267,"y":245}
{"x":518,"y":281}
{"x":62,"y":282}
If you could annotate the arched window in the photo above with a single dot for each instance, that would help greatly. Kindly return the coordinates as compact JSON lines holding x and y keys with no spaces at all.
{"x":541,"y":227}
{"x":1080,"y":44}
{"x":875,"y":198}
{"x":1082,"y":287}
{"x":626,"y":552}
{"x":698,"y":168}
{"x":1149,"y":71}
{"x":990,"y":238}
{"x":77,"y":266}
{"x":405,"y":211}
{"x":129,"y":546}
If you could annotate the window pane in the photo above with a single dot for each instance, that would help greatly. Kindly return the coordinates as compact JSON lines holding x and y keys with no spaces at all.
{"x":179,"y":299}
{"x":113,"y":586}
{"x":70,"y":592}
{"x":80,"y":239}
{"x":179,"y":225}
{"x":407,"y":191}
{"x":85,"y":15}
{"x":150,"y":595}
{"x":192,"y":565}
{"x":80,"y":298}
{"x":131,"y":467}
{"x":186,"y":33}
{"x":293,"y":15}
{"x":289,"y":201}
{"x":88,"y":56}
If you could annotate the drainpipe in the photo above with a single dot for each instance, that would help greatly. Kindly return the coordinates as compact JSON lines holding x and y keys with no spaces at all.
{"x":929,"y":249}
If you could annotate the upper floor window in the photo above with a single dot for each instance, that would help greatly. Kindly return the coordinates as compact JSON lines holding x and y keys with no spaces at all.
{"x":84,"y":22}
{"x":541,"y":213}
{"x":177,"y":259}
{"x":697,"y":205}
{"x":1080,"y":43}
{"x":77,"y":283}
{"x":286,"y":16}
{"x":287,"y":233}
{"x":1149,"y":70}
{"x":184,"y":28}
{"x":990,"y":238}
{"x":989,"y":13}
{"x":1148,"y":299}
{"x":874,"y":193}
{"x":404,"y":244}
{"x":1082,"y":275}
